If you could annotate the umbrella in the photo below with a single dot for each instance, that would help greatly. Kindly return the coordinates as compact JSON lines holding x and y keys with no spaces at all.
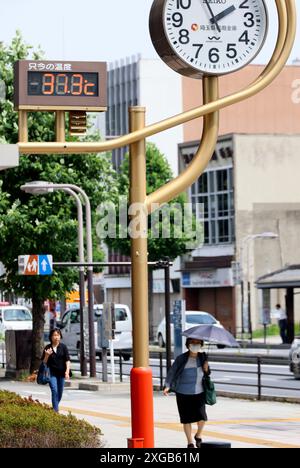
{"x":212,"y":334}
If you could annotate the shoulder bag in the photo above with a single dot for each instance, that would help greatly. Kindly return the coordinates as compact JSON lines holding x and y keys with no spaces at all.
{"x":43,"y":377}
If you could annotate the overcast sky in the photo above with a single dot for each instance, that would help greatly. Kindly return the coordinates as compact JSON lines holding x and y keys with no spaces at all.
{"x":94,"y":29}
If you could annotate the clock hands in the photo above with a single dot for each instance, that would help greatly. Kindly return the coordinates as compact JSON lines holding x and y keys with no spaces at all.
{"x":222,"y":15}
{"x":213,"y":19}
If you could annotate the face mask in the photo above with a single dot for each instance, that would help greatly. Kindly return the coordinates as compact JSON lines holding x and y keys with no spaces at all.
{"x":195,"y":348}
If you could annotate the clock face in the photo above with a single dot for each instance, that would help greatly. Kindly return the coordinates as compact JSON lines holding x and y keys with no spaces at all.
{"x":212,"y":37}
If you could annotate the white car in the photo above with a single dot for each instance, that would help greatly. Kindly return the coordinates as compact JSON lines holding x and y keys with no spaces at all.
{"x":192,"y":319}
{"x":14,"y":317}
{"x":70,"y":326}
{"x":295,"y":358}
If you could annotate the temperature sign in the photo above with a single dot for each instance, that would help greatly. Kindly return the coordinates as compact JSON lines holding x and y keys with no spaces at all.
{"x":44,"y":85}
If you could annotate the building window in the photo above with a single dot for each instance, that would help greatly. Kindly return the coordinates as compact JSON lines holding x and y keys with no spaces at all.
{"x":214,"y":190}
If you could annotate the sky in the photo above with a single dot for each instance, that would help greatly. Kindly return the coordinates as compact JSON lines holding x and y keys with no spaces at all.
{"x":96,"y":30}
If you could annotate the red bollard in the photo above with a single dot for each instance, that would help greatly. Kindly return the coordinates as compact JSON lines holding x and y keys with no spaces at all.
{"x":142,"y":418}
{"x":135,"y":443}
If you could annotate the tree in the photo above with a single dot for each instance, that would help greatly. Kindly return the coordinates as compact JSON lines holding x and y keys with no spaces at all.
{"x":168,"y":236}
{"x":42,"y":224}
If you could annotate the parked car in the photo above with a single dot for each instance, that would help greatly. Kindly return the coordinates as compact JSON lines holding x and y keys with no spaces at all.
{"x":14,"y":317}
{"x":70,"y":326}
{"x":192,"y":319}
{"x":295,"y":358}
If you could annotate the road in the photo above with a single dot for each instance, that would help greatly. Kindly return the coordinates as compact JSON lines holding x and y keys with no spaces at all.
{"x":229,"y":377}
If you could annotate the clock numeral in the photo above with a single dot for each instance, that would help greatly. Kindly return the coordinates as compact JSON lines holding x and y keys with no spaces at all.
{"x":245,"y":38}
{"x":177,"y":20}
{"x":184,"y":36}
{"x":213,"y":55}
{"x":185,"y":4}
{"x":250,"y":23}
{"x":231,"y":51}
{"x":199,"y":49}
{"x":244,"y":4}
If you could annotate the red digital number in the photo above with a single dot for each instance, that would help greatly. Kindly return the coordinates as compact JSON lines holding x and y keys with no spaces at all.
{"x":48,"y":83}
{"x":76,"y":84}
{"x":86,"y":89}
{"x":61,"y":87}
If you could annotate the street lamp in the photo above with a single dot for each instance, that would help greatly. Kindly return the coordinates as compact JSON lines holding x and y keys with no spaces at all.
{"x":41,"y":187}
{"x":245,"y":244}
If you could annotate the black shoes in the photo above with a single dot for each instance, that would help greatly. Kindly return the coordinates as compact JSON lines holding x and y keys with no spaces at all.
{"x":190,"y":446}
{"x":198,"y":442}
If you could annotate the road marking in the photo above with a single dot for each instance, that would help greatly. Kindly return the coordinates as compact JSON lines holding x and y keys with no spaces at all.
{"x":178,"y":427}
{"x":34,"y":393}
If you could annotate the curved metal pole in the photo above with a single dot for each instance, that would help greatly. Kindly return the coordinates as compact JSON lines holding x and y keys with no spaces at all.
{"x":87,"y":203}
{"x":83,"y":363}
{"x":88,"y":210}
{"x":201,"y":158}
{"x":286,"y":36}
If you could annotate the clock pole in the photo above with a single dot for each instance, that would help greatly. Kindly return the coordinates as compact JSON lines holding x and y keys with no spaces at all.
{"x":141,"y":375}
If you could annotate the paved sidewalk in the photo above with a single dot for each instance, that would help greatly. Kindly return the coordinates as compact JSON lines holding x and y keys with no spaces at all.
{"x":245,"y":424}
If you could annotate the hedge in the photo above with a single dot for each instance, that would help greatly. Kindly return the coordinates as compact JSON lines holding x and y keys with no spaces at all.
{"x":25,"y":423}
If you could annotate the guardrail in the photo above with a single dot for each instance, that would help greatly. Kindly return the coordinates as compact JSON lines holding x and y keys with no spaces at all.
{"x":257,"y":370}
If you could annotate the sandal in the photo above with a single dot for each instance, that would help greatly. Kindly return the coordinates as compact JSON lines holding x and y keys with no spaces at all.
{"x":198,"y":442}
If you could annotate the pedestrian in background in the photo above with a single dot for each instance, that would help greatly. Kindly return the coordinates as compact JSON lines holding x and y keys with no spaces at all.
{"x":52,"y":321}
{"x":56,"y":357}
{"x":282,"y":323}
{"x":185,"y":379}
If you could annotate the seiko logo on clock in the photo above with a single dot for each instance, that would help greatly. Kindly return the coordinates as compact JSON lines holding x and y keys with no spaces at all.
{"x":215,"y":1}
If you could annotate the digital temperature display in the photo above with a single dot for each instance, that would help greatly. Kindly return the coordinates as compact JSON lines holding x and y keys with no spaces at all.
{"x":42,"y":85}
{"x":62,"y":84}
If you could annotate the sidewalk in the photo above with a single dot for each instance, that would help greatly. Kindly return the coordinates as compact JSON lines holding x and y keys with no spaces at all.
{"x":245,"y":424}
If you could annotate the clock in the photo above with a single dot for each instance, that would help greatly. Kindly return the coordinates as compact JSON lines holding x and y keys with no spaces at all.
{"x":55,"y":85}
{"x":208,"y":37}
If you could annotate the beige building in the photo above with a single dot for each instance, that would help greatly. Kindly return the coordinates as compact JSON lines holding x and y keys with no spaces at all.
{"x":251,"y":187}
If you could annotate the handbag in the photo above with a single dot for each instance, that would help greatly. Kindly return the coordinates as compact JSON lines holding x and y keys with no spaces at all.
{"x":43,"y":377}
{"x":209,"y":391}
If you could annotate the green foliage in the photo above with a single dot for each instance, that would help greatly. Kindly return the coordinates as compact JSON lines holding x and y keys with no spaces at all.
{"x":48,"y":224}
{"x":25,"y":423}
{"x":181,"y":240}
{"x":273,"y":330}
{"x":43,"y":224}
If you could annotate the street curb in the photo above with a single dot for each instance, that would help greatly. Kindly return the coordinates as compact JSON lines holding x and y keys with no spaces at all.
{"x":242,"y":396}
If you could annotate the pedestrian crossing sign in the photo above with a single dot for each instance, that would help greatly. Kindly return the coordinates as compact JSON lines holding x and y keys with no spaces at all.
{"x":35,"y":265}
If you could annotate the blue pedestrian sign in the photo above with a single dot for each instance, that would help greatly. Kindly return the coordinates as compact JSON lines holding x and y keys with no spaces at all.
{"x":45,"y":265}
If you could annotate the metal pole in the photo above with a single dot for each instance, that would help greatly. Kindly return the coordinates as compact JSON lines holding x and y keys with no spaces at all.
{"x":249,"y":310}
{"x":60,"y":126}
{"x":242,"y":289}
{"x":259,"y":377}
{"x":242,"y":308}
{"x":23,"y":126}
{"x":249,"y":288}
{"x":168,"y":315}
{"x":83,"y":361}
{"x":88,"y":212}
{"x":141,"y":374}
